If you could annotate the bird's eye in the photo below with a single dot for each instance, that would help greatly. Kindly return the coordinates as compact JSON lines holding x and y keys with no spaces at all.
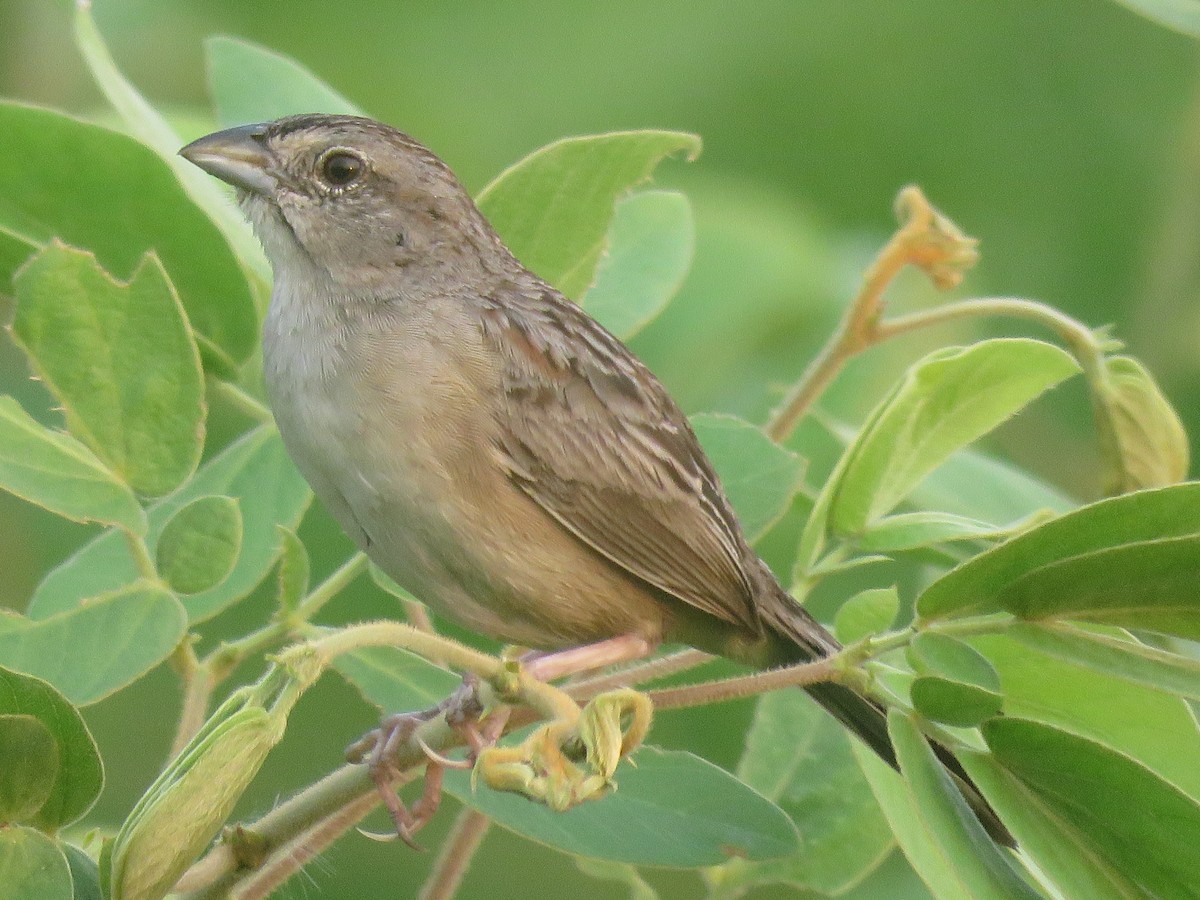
{"x":341,"y":168}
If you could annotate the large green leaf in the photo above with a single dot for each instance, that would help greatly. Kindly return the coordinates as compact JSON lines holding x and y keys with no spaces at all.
{"x":250,"y":83}
{"x":1063,"y":852}
{"x":1143,"y":826}
{"x":80,"y":774}
{"x":54,"y":470}
{"x":672,"y":809}
{"x":1161,"y":732}
{"x":32,"y":866}
{"x":1149,"y":585}
{"x":650,"y":245}
{"x":945,"y":401}
{"x":256,"y":471}
{"x":975,"y":586}
{"x":120,"y":359}
{"x":135,"y":204}
{"x":799,"y":758}
{"x":760,"y":476}
{"x":95,"y":649}
{"x":554,"y":207}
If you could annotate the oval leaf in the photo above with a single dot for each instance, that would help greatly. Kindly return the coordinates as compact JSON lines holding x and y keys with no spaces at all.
{"x":672,"y":809}
{"x":911,"y":531}
{"x":256,"y":471}
{"x":80,"y":773}
{"x":54,"y":470}
{"x":99,"y":647}
{"x":650,"y":245}
{"x":120,"y":358}
{"x":1144,"y":826}
{"x":32,"y":866}
{"x":759,"y":476}
{"x":937,"y":654}
{"x":250,"y":83}
{"x":199,"y":544}
{"x":799,"y":758}
{"x":953,"y":702}
{"x":394,"y":679}
{"x":135,"y":204}
{"x":554,"y":207}
{"x":29,"y":767}
{"x":1152,"y":445}
{"x":975,"y":586}
{"x":945,"y":401}
{"x":867,"y":613}
{"x":291,"y":582}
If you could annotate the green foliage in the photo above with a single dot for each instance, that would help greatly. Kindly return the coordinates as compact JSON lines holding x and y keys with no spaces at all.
{"x":1023,"y":652}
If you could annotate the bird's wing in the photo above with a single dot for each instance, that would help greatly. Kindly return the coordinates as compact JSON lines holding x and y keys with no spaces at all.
{"x":593,"y":437}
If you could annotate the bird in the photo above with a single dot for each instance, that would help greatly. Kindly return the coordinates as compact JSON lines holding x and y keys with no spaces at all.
{"x":487,"y":443}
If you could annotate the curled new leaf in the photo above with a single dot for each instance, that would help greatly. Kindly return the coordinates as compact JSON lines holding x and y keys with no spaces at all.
{"x":1152,"y":446}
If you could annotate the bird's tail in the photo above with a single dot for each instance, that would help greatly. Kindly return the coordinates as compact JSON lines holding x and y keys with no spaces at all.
{"x":803,"y":639}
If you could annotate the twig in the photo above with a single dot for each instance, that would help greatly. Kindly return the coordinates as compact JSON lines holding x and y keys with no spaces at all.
{"x":455,"y":857}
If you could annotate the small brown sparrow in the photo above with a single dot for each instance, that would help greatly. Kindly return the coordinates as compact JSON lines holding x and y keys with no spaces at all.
{"x":488,"y":444}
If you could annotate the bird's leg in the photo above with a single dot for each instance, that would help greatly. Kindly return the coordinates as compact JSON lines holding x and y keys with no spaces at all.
{"x":377,"y":750}
{"x":589,"y":657}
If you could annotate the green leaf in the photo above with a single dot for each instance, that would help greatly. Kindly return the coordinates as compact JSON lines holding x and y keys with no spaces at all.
{"x":1149,"y":585}
{"x":1152,"y":515}
{"x":32,"y":866}
{"x":956,"y":685}
{"x":198,"y":546}
{"x":29,"y":767}
{"x":938,"y":654}
{"x":80,"y":773}
{"x":292,"y":579}
{"x":972,"y":866}
{"x":394,"y":679}
{"x":1065,"y":854}
{"x":1145,"y":827}
{"x":799,"y":758}
{"x":944,"y":402}
{"x":1181,"y":15}
{"x":383,"y":581}
{"x":250,"y":83}
{"x":910,"y":531}
{"x":148,"y":125}
{"x":135,"y":205}
{"x":97,"y":648}
{"x":1162,"y":734}
{"x":760,"y":477}
{"x":256,"y":471}
{"x":867,"y":613}
{"x":978,"y":486}
{"x":1114,"y":652}
{"x":85,"y":874}
{"x":672,"y":809}
{"x":554,"y":207}
{"x":650,"y":245}
{"x":55,"y":471}
{"x":1151,"y":443}
{"x":120,"y":359}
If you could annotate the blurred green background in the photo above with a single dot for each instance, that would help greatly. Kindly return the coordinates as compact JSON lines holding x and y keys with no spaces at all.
{"x":1064,"y":134}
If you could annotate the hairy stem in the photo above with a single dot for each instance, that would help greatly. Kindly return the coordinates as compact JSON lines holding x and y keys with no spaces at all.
{"x":455,"y":857}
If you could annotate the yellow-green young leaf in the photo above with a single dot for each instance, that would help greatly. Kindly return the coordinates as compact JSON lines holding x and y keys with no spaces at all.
{"x":199,"y":545}
{"x":1152,"y":446}
{"x":1144,"y":827}
{"x":32,"y":866}
{"x":120,"y":358}
{"x":54,"y":470}
{"x":29,"y":766}
{"x":80,"y":775}
{"x":944,"y":402}
{"x":250,"y":83}
{"x":911,"y":531}
{"x":650,"y":245}
{"x":99,"y":647}
{"x":256,"y":470}
{"x":975,"y":586}
{"x":554,"y":207}
{"x":291,"y":584}
{"x":134,"y":204}
{"x":866,"y":613}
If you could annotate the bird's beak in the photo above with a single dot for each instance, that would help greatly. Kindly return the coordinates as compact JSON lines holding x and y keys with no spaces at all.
{"x":238,"y":156}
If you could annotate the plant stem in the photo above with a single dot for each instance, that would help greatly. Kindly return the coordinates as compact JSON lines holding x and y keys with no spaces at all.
{"x":237,"y":397}
{"x":455,"y":857}
{"x":142,"y":559}
{"x":338,"y":581}
{"x":746,"y":685}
